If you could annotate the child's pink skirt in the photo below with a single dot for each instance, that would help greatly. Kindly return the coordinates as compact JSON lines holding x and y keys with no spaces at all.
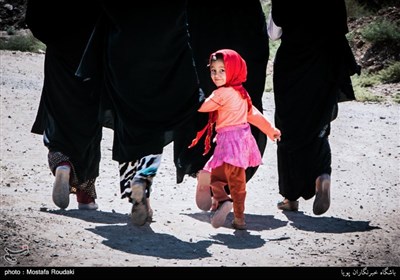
{"x":235,"y":145}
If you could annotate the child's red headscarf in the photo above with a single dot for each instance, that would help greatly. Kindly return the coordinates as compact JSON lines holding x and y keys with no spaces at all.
{"x":236,"y":75}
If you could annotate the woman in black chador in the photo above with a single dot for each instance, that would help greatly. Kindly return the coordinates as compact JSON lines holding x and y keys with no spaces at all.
{"x":68,"y":111}
{"x":141,"y":57}
{"x":312,"y":71}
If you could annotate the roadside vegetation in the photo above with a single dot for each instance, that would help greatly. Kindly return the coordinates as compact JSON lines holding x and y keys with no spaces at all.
{"x":375,"y":40}
{"x":374,"y":37}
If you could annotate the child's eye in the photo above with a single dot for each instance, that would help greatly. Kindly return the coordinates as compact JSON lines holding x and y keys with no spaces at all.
{"x":217,"y":72}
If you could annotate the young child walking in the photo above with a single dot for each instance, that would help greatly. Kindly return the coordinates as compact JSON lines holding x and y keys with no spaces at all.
{"x":231,"y":110}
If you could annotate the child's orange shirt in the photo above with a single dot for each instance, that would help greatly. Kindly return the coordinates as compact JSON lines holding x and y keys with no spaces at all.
{"x":232,"y":110}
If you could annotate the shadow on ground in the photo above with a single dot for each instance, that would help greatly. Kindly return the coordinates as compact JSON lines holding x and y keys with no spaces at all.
{"x":254,"y":222}
{"x":121,"y":235}
{"x":99,"y":217}
{"x":326,"y":224}
{"x":144,"y":241}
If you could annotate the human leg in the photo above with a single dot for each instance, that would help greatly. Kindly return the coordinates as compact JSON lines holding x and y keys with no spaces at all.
{"x":237,"y":183}
{"x":61,"y":168}
{"x":286,"y":184}
{"x":204,"y":196}
{"x":66,"y":182}
{"x":136,"y":179}
{"x":306,"y":173}
{"x":224,"y":202}
{"x":203,"y":190}
{"x":86,"y":194}
{"x":140,"y":207}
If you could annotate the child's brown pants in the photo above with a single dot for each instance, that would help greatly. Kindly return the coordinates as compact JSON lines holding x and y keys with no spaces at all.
{"x":235,"y":178}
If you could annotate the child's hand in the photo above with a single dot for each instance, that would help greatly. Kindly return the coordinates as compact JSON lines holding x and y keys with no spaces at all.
{"x":274,"y":134}
{"x":277,"y":135}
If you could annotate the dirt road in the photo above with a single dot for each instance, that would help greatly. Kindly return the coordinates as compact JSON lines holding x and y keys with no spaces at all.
{"x":360,"y":230}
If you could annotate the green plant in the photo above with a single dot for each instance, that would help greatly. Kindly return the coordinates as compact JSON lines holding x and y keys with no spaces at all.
{"x":356,"y":10}
{"x":362,"y":84}
{"x":390,"y":74}
{"x":11,"y":30}
{"x":363,"y":94}
{"x":396,"y":97}
{"x":273,"y":47}
{"x":23,"y":43}
{"x":266,"y":6}
{"x":269,"y":86}
{"x":381,"y":30}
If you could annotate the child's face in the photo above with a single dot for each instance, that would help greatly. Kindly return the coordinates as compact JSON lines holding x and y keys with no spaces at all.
{"x":218,"y":75}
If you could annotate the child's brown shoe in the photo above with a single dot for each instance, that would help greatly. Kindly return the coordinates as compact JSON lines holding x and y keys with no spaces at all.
{"x":219,"y":217}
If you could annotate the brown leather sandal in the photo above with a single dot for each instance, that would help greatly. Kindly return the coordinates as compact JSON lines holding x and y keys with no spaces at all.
{"x":288,"y":205}
{"x":140,"y":211}
{"x":322,"y":199}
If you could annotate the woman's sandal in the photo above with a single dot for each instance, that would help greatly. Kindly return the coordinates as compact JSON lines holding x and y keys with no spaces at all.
{"x":140,"y":212}
{"x":322,"y":199}
{"x":85,"y":202}
{"x":61,"y":187}
{"x":288,"y":205}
